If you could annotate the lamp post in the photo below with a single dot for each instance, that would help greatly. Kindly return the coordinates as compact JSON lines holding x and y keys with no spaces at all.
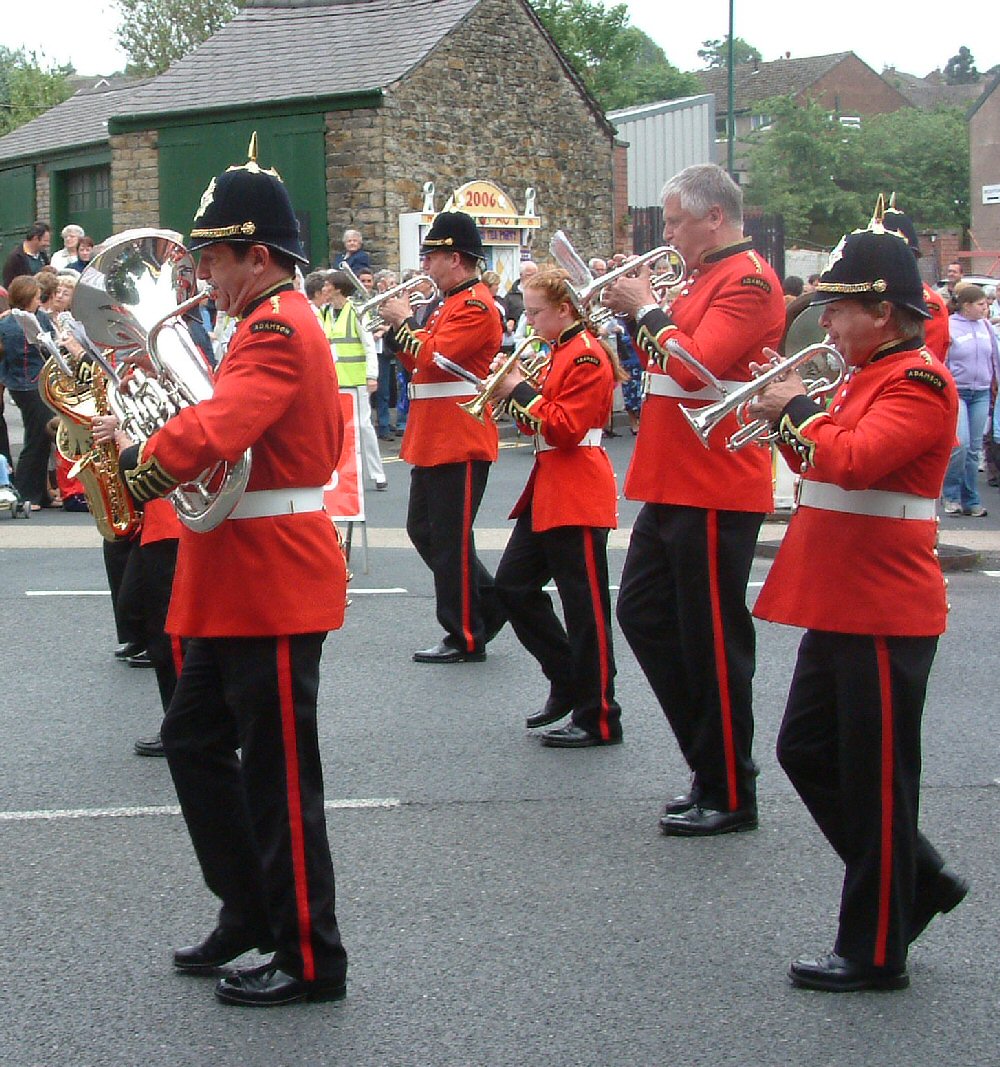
{"x":730,"y":120}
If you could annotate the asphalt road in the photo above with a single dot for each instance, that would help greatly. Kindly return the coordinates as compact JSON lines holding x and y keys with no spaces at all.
{"x":502,"y":903}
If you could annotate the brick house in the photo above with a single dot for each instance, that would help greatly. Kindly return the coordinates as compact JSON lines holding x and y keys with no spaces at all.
{"x":357,"y":103}
{"x":984,"y":182}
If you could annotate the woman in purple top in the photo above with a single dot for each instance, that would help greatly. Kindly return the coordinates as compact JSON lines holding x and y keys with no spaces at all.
{"x":973,"y":359}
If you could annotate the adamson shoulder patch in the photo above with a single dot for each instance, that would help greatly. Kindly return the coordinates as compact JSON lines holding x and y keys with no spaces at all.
{"x":586,"y":359}
{"x":270,"y":326}
{"x":756,"y":281}
{"x":927,"y":377}
{"x":472,"y":302}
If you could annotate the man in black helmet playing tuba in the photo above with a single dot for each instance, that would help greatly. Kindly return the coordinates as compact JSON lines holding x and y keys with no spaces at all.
{"x":256,"y":596}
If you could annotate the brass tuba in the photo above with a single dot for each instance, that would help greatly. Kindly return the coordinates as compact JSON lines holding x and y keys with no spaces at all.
{"x":131,"y":299}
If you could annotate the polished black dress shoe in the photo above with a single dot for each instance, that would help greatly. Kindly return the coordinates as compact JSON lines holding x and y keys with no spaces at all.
{"x":149,"y":746}
{"x":834,"y":974}
{"x":575,"y":737}
{"x":553,"y":711}
{"x":947,"y":892}
{"x":127,"y":651}
{"x":679,"y":804}
{"x":140,"y":659}
{"x":704,"y":822}
{"x":219,"y":948}
{"x":268,"y":986}
{"x":443,"y":653}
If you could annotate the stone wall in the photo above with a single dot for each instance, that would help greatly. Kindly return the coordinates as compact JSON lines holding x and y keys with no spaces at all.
{"x":491,"y":101}
{"x":135,"y":180}
{"x":43,"y":199}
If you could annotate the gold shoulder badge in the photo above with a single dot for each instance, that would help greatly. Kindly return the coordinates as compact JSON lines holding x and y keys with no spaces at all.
{"x":926,"y":377}
{"x":586,"y":359}
{"x":276,"y":303}
{"x":472,"y":302}
{"x":757,"y":281}
{"x":269,"y":326}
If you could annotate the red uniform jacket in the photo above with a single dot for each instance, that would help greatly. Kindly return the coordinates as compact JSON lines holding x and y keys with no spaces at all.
{"x":276,"y":391}
{"x":890,"y":427}
{"x":936,"y":333}
{"x":159,"y":522}
{"x":731,"y":306}
{"x":466,"y":328}
{"x":569,"y":485}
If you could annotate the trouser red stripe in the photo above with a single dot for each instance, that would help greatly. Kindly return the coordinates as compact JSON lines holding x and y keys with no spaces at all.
{"x":599,"y":626}
{"x":290,"y":737}
{"x":177,"y":652}
{"x":466,"y":582}
{"x":885,"y":860}
{"x":721,"y":664}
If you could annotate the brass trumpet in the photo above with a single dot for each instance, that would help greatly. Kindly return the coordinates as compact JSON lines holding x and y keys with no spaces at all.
{"x":704,"y":420}
{"x":531,"y":368}
{"x":368,"y":311}
{"x":586,"y":289}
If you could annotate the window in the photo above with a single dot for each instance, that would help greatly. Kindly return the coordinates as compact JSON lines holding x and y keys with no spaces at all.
{"x":760,"y":122}
{"x":87,"y":190}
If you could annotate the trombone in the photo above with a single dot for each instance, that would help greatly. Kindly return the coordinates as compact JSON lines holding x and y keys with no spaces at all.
{"x":532,"y":366}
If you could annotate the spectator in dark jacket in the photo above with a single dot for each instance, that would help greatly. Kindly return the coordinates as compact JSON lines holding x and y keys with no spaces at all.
{"x":31,"y":255}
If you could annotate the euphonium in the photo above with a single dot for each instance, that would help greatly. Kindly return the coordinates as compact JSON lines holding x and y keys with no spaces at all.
{"x":77,"y":393}
{"x":129,"y":300}
{"x":531,"y":368}
{"x":704,"y":420}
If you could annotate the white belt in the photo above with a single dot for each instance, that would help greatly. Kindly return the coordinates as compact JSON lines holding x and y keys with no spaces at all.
{"x":267,"y":502}
{"x":591,"y":439}
{"x":664,"y":385}
{"x":879,"y":503}
{"x":436,"y":389}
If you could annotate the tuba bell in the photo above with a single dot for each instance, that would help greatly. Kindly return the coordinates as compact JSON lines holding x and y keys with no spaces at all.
{"x":131,"y":300}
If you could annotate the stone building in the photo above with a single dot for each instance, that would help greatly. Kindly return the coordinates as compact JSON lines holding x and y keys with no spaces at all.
{"x":357,"y":103}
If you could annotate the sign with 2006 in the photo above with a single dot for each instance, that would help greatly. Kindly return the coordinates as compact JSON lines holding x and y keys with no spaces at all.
{"x":483,"y":198}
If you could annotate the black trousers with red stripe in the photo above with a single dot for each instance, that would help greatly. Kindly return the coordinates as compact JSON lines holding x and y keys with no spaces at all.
{"x":443,"y":504}
{"x":850,"y":743}
{"x":256,"y":818}
{"x":682,"y":607}
{"x":578,"y":660}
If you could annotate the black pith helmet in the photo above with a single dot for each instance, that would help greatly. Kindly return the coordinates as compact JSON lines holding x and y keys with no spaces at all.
{"x":873,"y":264}
{"x":247,"y":205}
{"x":454,"y":231}
{"x":894,"y":219}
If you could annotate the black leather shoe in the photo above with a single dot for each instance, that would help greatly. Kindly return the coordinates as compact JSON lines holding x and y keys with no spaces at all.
{"x":679,"y":804}
{"x":834,"y":974}
{"x":149,"y":746}
{"x":442,"y":653}
{"x":140,"y":659}
{"x":947,"y":892}
{"x":267,"y":987}
{"x":127,"y":651}
{"x":553,"y":711}
{"x":574,"y":737}
{"x":219,"y":948}
{"x":704,"y":822}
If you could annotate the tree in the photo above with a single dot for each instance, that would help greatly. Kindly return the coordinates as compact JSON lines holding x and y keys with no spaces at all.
{"x":154,"y":33}
{"x":961,"y":68}
{"x":825,"y":178}
{"x":715,"y":54}
{"x":617,"y":62}
{"x":28,"y":87}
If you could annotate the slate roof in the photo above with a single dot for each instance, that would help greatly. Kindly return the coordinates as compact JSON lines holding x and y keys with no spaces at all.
{"x":927,"y":93}
{"x":77,"y":122}
{"x":315,"y":47}
{"x":754,"y":82}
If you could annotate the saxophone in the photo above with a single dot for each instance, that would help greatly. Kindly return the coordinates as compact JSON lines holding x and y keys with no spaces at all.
{"x":77,"y":394}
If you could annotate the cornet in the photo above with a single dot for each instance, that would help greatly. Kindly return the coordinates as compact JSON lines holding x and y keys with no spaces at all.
{"x":531,"y":368}
{"x":368,"y":311}
{"x":704,"y":420}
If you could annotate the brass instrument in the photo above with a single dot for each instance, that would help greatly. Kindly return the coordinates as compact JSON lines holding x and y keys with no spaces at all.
{"x":531,"y":368}
{"x":586,"y":289}
{"x":128,"y":301}
{"x":705,"y":419}
{"x":368,"y":311}
{"x":77,"y":393}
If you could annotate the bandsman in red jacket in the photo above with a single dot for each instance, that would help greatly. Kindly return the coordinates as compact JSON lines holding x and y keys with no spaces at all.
{"x":682,"y":604}
{"x":450,"y":452}
{"x":872,"y":466}
{"x":255,"y":597}
{"x":563,"y":518}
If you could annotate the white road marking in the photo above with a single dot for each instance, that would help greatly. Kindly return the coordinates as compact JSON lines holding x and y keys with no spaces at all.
{"x":992,"y":574}
{"x":67,"y":592}
{"x":57,"y":814}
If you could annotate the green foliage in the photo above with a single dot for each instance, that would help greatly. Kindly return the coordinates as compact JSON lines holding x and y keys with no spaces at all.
{"x":825,"y":178}
{"x":28,"y":87}
{"x":618,"y":63}
{"x":961,"y":68}
{"x":715,"y":53}
{"x":154,"y":33}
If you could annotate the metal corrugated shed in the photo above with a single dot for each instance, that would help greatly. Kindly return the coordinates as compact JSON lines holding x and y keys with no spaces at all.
{"x":664,"y":138}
